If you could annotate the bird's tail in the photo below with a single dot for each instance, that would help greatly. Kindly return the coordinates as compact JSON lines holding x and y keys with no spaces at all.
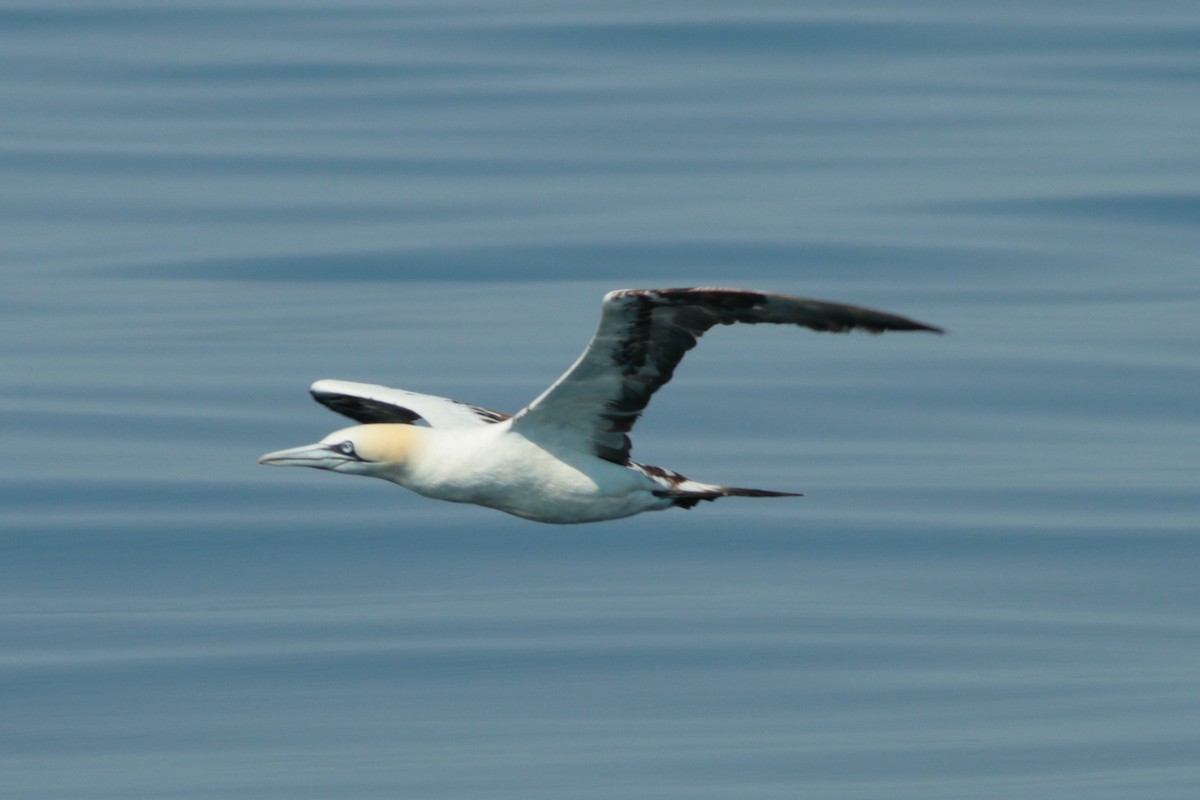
{"x":690,"y":493}
{"x":685,"y":492}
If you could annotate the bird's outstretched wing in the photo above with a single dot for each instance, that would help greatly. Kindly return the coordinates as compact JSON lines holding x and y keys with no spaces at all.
{"x":643,"y":335}
{"x":368,"y":404}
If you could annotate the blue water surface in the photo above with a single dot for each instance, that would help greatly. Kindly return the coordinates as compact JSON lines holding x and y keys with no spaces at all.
{"x":988,"y":591}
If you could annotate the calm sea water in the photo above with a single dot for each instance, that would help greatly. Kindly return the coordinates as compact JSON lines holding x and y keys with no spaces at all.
{"x":989,"y":591}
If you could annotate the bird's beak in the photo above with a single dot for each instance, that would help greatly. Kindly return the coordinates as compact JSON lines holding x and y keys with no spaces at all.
{"x":319,"y":456}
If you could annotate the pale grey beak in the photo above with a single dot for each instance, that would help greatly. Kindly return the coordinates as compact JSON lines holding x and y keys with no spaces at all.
{"x":319,"y":456}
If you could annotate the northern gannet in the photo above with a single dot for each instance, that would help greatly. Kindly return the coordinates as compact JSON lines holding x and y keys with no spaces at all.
{"x":564,"y":458}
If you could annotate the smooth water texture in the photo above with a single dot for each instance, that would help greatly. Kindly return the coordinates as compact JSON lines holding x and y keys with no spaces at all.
{"x":988,"y":591}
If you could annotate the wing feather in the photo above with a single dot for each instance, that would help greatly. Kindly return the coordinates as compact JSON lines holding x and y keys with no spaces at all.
{"x":369,"y":404}
{"x":643,"y":335}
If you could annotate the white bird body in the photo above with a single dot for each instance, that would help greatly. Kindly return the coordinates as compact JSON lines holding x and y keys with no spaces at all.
{"x":495,"y":467}
{"x":565,"y":457}
{"x":501,"y":469}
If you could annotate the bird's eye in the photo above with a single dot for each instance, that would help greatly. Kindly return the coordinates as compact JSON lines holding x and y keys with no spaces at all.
{"x":347,"y":447}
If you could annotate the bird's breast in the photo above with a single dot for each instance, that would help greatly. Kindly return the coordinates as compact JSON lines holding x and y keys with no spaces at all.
{"x":508,"y":472}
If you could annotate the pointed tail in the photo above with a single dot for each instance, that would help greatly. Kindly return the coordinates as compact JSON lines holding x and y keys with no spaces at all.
{"x":685,"y":492}
{"x":688,"y":497}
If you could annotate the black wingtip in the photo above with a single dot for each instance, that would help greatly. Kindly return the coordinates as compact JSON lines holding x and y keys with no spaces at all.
{"x":881,"y":322}
{"x":364,"y":410}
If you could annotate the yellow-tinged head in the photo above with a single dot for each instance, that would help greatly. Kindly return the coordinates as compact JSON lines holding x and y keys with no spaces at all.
{"x":382,"y":450}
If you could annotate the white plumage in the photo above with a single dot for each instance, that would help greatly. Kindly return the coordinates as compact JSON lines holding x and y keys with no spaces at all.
{"x":564,"y":458}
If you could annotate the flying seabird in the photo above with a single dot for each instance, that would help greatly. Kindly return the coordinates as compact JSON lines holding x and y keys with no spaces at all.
{"x":564,"y":458}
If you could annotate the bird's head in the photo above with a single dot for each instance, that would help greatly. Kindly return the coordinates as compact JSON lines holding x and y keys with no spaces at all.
{"x":381,"y":450}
